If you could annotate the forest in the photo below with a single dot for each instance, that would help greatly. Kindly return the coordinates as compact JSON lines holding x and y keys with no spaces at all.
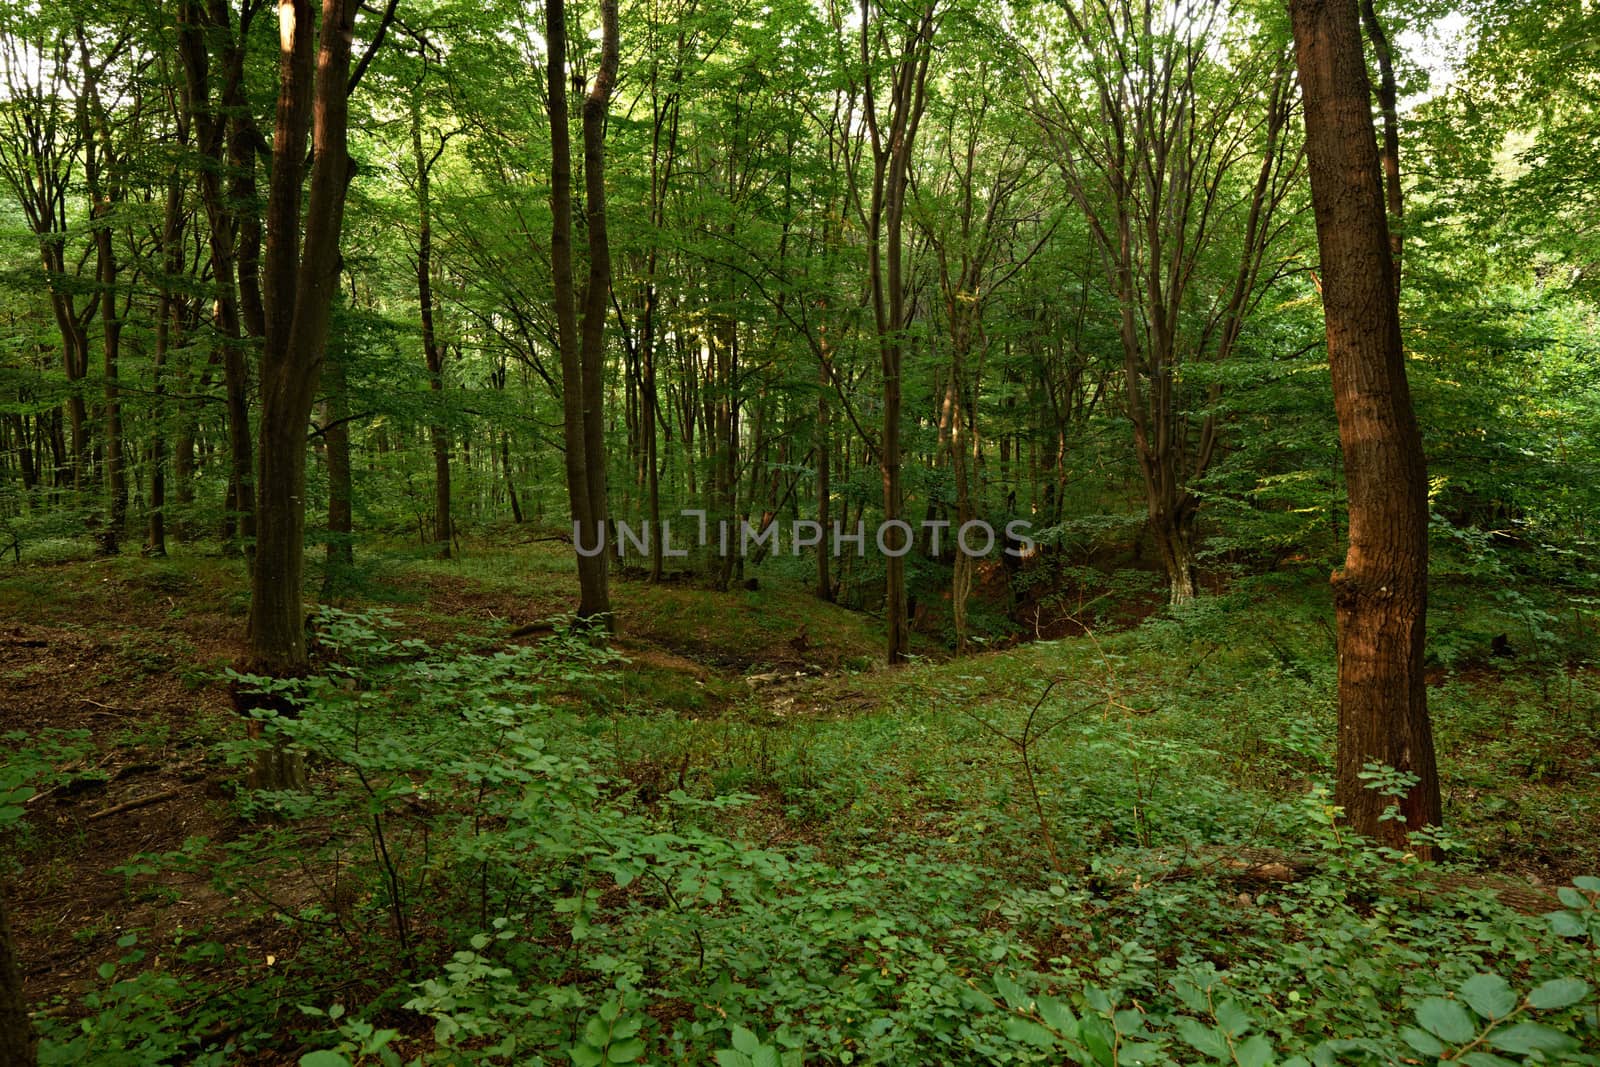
{"x":772,"y":533}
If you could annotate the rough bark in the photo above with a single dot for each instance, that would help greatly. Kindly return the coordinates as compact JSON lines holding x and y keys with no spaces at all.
{"x":299,"y":286}
{"x":1380,"y":594}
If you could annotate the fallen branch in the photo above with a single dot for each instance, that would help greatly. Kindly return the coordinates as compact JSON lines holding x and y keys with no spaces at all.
{"x":131,"y":805}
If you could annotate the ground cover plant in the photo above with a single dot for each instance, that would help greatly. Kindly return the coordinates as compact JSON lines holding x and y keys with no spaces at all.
{"x":797,"y":533}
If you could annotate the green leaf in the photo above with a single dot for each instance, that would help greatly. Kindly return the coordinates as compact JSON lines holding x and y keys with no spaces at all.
{"x":1558,"y":993}
{"x":1202,"y":1037}
{"x":727,"y":1057}
{"x":1565,"y":924}
{"x":766,"y":1056}
{"x":1571,"y":897}
{"x":745,"y":1041}
{"x":1256,"y":1052}
{"x":1489,"y":995}
{"x":1531,"y":1037}
{"x":324,"y":1058}
{"x":1422,"y":1041}
{"x":1587,"y":881}
{"x":1487,"y":1059}
{"x":1233,"y":1018}
{"x":1058,"y":1016}
{"x":1011,"y":993}
{"x":585,"y":1056}
{"x":1446,"y":1020}
{"x":1029,"y":1032}
{"x":625,"y":1051}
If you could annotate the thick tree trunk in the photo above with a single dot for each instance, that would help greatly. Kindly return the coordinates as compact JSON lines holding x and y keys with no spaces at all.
{"x":300,"y":285}
{"x":18,"y":1046}
{"x":1173,"y":532}
{"x":1380,"y":595}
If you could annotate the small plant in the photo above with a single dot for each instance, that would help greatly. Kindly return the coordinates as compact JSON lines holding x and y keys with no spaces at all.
{"x":1447,"y":1031}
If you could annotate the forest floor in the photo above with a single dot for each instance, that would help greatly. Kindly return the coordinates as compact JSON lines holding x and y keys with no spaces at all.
{"x":114,"y":697}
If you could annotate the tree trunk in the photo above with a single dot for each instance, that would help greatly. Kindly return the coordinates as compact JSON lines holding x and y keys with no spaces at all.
{"x":511,"y":481}
{"x":1172,"y":528}
{"x":224,"y":219}
{"x":169,"y":323}
{"x":300,"y":282}
{"x":431,"y":352}
{"x":1380,"y":595}
{"x":892,"y":146}
{"x":111,"y":336}
{"x":1388,"y":105}
{"x":824,"y":473}
{"x":18,"y":1046}
{"x":340,"y":558}
{"x":582,"y":353}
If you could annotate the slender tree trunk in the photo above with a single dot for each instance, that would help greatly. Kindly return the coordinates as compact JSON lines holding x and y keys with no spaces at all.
{"x":1388,"y":105}
{"x":1380,"y":595}
{"x":582,"y":351}
{"x":824,"y":473}
{"x":340,"y":559}
{"x":892,"y":146}
{"x":511,"y":481}
{"x":224,"y":218}
{"x":111,"y":338}
{"x":169,"y":321}
{"x":438,"y":432}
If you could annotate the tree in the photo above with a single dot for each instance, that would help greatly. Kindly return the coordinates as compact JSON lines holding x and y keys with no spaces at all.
{"x":432,"y":351}
{"x":1380,"y":594}
{"x":582,"y":349}
{"x":226,"y":135}
{"x":314,"y":86}
{"x":892,"y":122}
{"x":1150,"y":153}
